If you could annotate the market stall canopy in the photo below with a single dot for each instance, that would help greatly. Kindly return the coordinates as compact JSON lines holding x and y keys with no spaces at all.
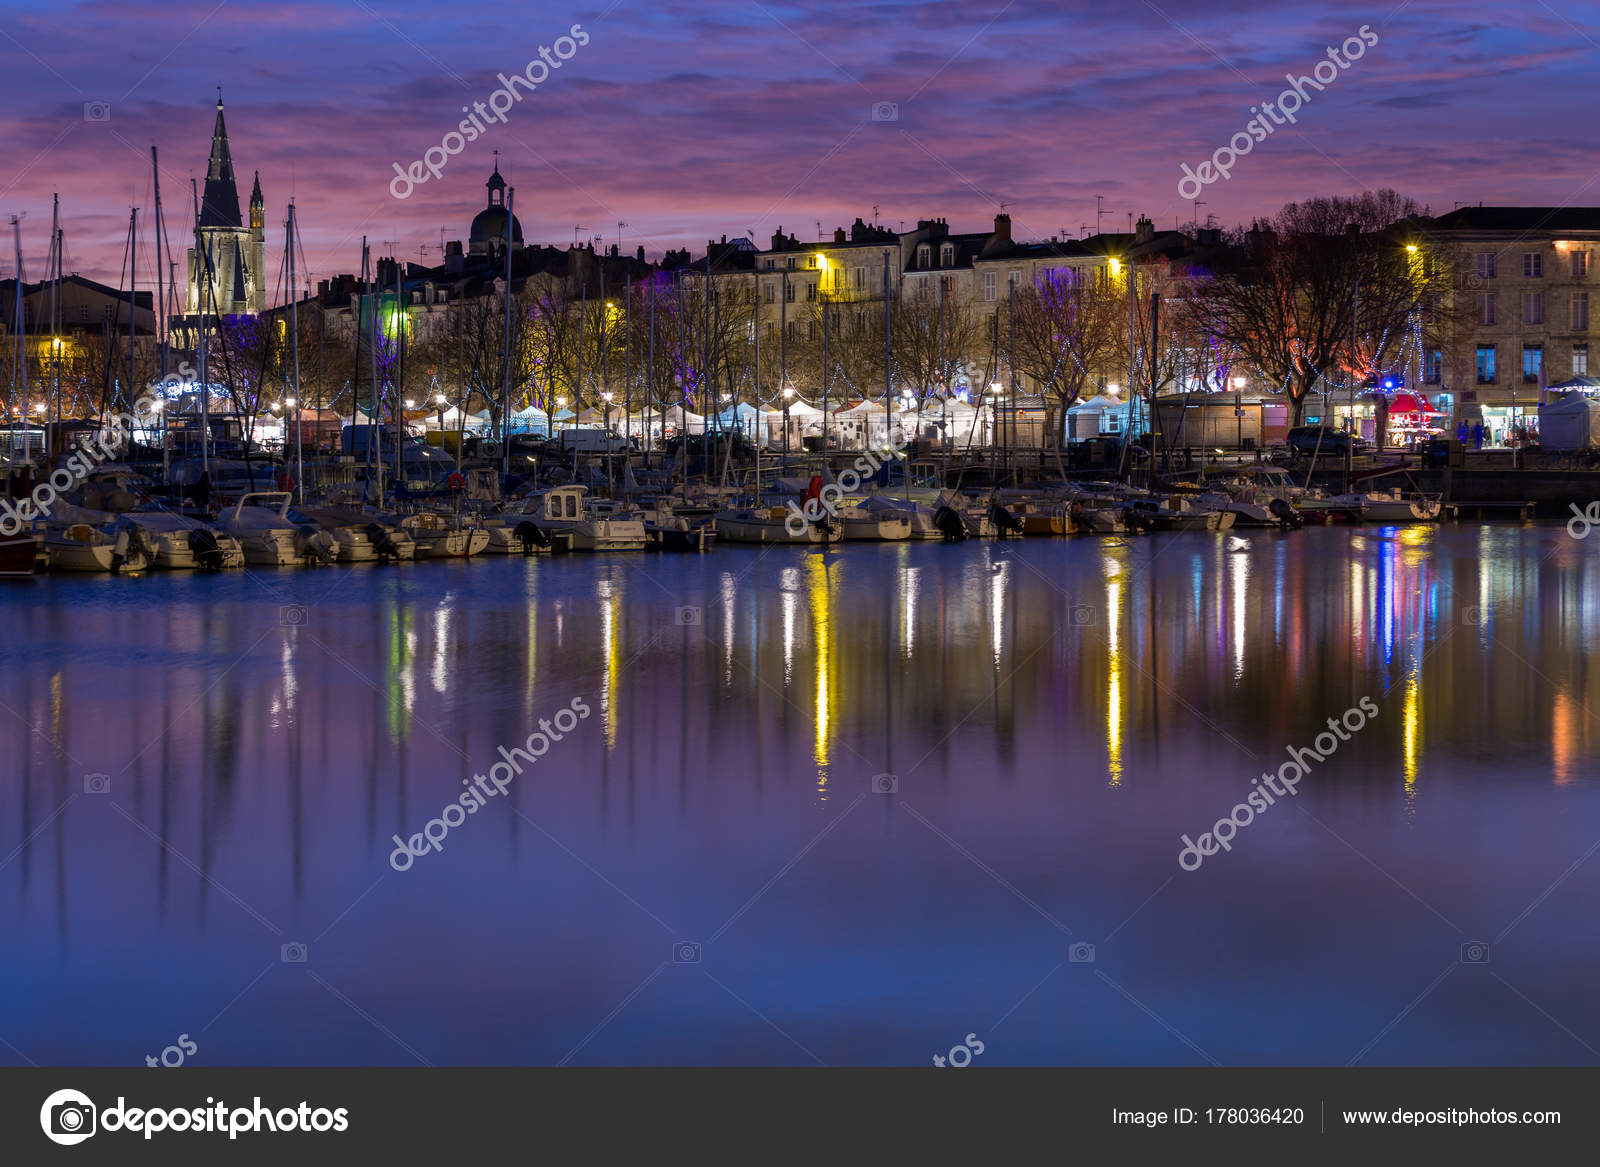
{"x":1584,"y":384}
{"x":863,"y":410}
{"x":1572,"y":423}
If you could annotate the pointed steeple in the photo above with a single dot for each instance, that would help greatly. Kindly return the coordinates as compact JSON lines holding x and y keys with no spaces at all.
{"x":258,"y":207}
{"x":220,"y":205}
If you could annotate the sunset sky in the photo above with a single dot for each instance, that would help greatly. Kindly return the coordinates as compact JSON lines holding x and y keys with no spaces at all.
{"x":693,"y":121}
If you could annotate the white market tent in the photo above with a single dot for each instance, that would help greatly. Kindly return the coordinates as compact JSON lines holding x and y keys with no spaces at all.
{"x":1090,"y":417}
{"x":1570,"y":423}
{"x":676,"y":417}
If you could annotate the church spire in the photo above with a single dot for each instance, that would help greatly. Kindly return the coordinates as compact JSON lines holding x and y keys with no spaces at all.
{"x":258,"y":207}
{"x":220,"y":206}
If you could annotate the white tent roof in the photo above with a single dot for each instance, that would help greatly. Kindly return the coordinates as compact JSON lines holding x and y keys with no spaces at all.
{"x":531,"y":411}
{"x":865,"y":409}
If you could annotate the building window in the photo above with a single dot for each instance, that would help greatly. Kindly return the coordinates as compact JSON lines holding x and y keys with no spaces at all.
{"x":793,"y":330}
{"x":789,"y":263}
{"x":811,"y":291}
{"x":1486,"y":364}
{"x":989,"y":280}
{"x":811,"y":330}
{"x":1532,"y":266}
{"x":1580,"y":265}
{"x":788,"y":292}
{"x":83,"y":311}
{"x":1580,"y":360}
{"x":1433,"y":367}
{"x":770,"y":293}
{"x":771,"y":263}
{"x":1014,"y":279}
{"x":1532,"y":363}
{"x":861,"y":279}
{"x":1580,"y":311}
{"x":1486,"y":307}
{"x":1533,"y":308}
{"x":947,"y":287}
{"x":1486,"y":265}
{"x":947,"y":255}
{"x":923,"y":252}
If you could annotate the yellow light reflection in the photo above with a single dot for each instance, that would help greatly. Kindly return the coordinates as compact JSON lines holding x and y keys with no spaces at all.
{"x":1566,"y":736}
{"x":999,"y":573}
{"x":821,"y":597}
{"x":612,"y":651}
{"x":1114,"y":678}
{"x":1411,"y":723}
{"x":910,"y":582}
{"x":1239,"y":581}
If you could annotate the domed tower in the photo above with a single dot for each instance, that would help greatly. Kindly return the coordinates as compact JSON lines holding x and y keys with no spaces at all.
{"x":488,"y":235}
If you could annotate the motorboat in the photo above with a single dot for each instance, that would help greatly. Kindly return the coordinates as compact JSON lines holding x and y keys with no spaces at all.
{"x":79,"y":539}
{"x":918,"y":516}
{"x":353,"y":532}
{"x":269,"y":538}
{"x":672,"y":530}
{"x":1394,"y":506}
{"x":1179,"y":512}
{"x":512,"y":531}
{"x":438,"y":536}
{"x":562,"y":509}
{"x":184,"y":544}
{"x":775,"y":525}
{"x":864,"y":525}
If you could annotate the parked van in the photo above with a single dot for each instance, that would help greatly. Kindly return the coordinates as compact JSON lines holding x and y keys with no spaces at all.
{"x":591,"y":441}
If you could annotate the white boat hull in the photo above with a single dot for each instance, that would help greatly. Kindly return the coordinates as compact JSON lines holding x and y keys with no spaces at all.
{"x":875,"y":528}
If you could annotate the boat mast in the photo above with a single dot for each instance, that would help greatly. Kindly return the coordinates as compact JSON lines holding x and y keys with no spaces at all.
{"x":399,"y":322}
{"x":161,"y":311}
{"x":133,"y":279}
{"x":202,"y":263}
{"x":505,"y":386}
{"x":53,"y":274}
{"x":294,"y":340}
{"x":19,"y":383}
{"x":369,"y":269}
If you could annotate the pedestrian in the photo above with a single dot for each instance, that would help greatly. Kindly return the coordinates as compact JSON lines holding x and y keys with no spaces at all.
{"x":1462,"y":433}
{"x":1477,"y":435}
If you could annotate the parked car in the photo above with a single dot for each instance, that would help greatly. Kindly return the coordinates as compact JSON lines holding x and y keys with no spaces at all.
{"x":1305,"y":439}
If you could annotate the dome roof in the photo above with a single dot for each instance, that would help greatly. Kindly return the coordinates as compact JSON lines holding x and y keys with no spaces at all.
{"x":489,"y":226}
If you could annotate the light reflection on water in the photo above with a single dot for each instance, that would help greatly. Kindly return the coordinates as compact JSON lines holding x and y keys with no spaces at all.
{"x":1057,"y":713}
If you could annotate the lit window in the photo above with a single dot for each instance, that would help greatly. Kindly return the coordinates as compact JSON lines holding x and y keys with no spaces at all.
{"x":1486,"y":364}
{"x":1580,"y":360}
{"x":1532,"y":363}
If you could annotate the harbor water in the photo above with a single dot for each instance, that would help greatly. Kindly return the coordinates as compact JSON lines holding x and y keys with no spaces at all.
{"x":791,"y":807}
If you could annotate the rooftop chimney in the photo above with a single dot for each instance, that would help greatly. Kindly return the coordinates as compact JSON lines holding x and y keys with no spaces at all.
{"x":1002,"y":228}
{"x":1144,"y":231}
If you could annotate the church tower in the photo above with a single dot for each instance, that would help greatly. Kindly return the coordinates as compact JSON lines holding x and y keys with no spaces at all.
{"x":225,"y":279}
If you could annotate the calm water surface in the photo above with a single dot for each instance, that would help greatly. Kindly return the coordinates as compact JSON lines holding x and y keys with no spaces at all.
{"x":703,"y":871}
